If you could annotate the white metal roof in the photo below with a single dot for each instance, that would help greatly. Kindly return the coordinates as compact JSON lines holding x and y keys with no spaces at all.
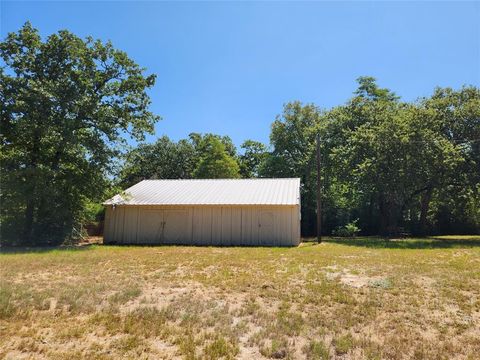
{"x":211,"y":192}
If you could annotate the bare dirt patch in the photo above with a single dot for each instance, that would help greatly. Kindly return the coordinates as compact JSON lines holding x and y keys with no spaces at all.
{"x":357,"y":280}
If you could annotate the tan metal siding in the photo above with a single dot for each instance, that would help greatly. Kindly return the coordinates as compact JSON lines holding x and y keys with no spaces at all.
{"x":108,"y":227}
{"x":247,"y":228}
{"x":216,"y":226}
{"x":236,"y":225}
{"x":296,"y":225}
{"x":226,"y":225}
{"x":119,"y":222}
{"x":176,"y":226}
{"x":204,"y":225}
{"x":130,"y":230}
{"x":266,"y":227}
{"x":150,"y":226}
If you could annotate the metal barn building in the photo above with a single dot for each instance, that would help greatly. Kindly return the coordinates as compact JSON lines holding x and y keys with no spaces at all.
{"x":255,"y":212}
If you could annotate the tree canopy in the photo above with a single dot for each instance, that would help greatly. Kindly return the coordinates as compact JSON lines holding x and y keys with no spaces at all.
{"x":214,"y":160}
{"x":254,"y":154}
{"x":392,"y":165}
{"x":163,"y":159}
{"x":66,"y":104}
{"x":199,"y":156}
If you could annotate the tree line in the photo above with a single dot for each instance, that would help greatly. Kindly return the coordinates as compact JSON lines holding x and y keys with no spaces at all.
{"x":388,"y":166}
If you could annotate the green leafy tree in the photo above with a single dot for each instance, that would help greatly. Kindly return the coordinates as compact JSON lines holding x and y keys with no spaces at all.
{"x":453,"y":204}
{"x":254,"y":153}
{"x":394,"y":157}
{"x":163,"y":159}
{"x":66,"y":104}
{"x":207,"y":156}
{"x":368,"y":90}
{"x":293,"y":141}
{"x":387,"y":163}
{"x":214,"y":160}
{"x":199,"y":142}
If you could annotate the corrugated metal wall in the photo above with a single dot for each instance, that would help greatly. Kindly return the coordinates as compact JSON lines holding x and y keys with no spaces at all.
{"x":203,"y":225}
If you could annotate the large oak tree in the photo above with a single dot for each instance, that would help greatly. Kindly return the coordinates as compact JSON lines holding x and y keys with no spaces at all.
{"x":67,"y":104}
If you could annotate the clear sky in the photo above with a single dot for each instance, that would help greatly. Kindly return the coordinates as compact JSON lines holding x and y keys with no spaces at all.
{"x":228,"y":67}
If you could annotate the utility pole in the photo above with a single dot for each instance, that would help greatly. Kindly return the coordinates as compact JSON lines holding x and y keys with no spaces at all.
{"x":319,"y":193}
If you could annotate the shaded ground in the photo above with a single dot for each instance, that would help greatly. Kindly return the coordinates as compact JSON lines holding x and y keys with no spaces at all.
{"x":355,"y":299}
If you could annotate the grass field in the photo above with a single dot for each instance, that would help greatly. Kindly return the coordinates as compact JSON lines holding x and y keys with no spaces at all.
{"x":356,"y":299}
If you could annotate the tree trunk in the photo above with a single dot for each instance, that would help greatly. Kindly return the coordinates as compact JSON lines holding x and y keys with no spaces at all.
{"x":393,"y":217}
{"x":424,"y":206}
{"x":388,"y":216}
{"x":371,"y":221}
{"x":27,"y":234}
{"x":383,"y":214}
{"x":28,"y":224}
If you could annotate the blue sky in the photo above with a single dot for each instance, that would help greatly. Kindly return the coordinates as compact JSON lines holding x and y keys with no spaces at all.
{"x":228,"y":67}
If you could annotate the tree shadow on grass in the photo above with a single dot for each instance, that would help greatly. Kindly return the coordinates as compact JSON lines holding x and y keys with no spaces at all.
{"x":44,"y":249}
{"x":408,"y":243}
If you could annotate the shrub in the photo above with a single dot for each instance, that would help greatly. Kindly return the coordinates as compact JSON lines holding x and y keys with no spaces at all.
{"x":93,"y":212}
{"x":349,"y":230}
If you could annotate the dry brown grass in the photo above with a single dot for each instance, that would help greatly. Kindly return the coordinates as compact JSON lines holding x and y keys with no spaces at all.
{"x":361,"y":299}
